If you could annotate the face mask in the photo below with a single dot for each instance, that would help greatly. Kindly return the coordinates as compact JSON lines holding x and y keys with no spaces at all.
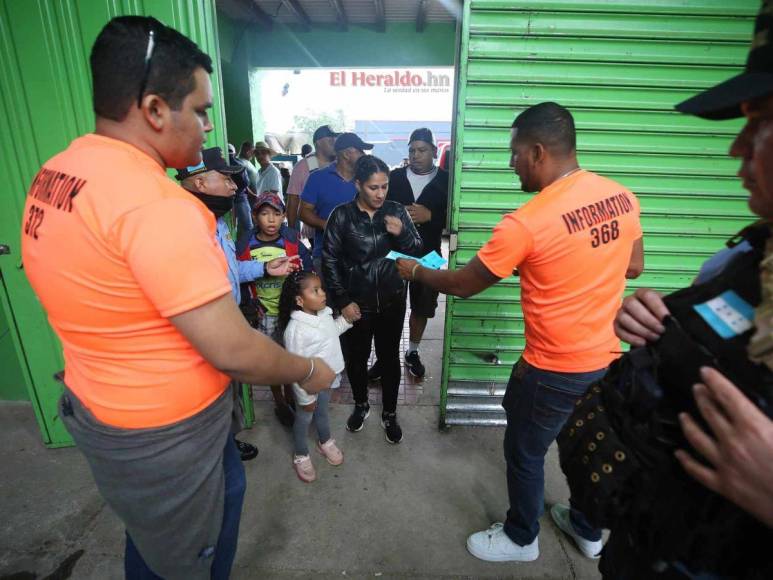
{"x":218,"y":205}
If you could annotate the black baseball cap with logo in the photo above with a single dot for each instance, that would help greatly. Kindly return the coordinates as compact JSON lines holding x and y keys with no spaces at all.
{"x":723,"y":101}
{"x":324,"y":131}
{"x":422,"y":134}
{"x":346,"y":140}
{"x":211,"y":160}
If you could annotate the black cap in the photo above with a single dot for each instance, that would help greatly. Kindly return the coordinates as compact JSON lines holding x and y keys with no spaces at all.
{"x":322,"y":132}
{"x":346,"y":140}
{"x":422,"y":134}
{"x":723,"y":101}
{"x":211,"y":160}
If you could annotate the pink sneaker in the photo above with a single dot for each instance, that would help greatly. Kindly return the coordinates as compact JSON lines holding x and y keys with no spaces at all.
{"x":304,"y":468}
{"x":331,"y":452}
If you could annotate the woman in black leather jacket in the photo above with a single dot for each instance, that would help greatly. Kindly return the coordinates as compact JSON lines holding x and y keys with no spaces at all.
{"x":365,"y":286}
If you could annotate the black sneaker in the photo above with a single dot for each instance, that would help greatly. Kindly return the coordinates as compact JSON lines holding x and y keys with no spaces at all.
{"x":285,"y":415}
{"x":374,"y":372}
{"x":413,"y":362}
{"x":358,"y":416}
{"x":394,"y":434}
{"x":246,"y":450}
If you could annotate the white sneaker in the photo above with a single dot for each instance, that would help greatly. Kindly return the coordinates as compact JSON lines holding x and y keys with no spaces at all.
{"x":560,"y":514}
{"x":493,"y":545}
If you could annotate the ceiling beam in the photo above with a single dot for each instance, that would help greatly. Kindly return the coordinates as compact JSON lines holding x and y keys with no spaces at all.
{"x":260,"y":15}
{"x":380,"y":15}
{"x":298,"y":13}
{"x":421,"y":15}
{"x":343,"y":21}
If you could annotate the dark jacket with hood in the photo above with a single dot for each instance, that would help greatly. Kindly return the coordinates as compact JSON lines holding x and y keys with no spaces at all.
{"x":354,"y":263}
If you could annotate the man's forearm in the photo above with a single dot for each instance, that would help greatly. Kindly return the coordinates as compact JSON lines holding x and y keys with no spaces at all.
{"x":250,"y":270}
{"x":219,"y":332}
{"x":293,"y":201}
{"x":468,"y":281}
{"x":273,"y":366}
{"x":312,"y":219}
{"x":444,"y":281}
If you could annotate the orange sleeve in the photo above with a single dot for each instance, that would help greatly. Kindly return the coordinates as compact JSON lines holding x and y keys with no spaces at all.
{"x":173,"y":255}
{"x":508,"y":246}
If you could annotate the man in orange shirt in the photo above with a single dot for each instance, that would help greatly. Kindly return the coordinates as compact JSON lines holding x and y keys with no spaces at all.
{"x":127,"y":266}
{"x":574,"y":244}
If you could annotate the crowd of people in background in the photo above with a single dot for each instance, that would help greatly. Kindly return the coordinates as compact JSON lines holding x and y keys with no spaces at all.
{"x":162,"y":320}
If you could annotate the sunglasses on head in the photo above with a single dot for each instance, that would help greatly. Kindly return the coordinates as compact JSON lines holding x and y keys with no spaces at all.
{"x":148,"y":57}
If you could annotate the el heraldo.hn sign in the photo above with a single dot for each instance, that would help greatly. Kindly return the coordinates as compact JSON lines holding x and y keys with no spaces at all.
{"x":402,"y":81}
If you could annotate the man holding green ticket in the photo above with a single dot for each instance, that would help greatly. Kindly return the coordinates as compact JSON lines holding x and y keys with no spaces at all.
{"x":574,"y":244}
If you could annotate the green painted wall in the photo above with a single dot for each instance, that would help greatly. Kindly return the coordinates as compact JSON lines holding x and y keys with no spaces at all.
{"x":45,"y":102}
{"x":12,"y":382}
{"x":236,"y":98}
{"x":236,"y":82}
{"x":400,"y":45}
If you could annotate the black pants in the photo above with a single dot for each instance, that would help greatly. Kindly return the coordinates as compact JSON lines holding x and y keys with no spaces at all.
{"x":386,"y":328}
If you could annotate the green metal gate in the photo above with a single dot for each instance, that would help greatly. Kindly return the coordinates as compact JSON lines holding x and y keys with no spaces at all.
{"x":45,"y":102}
{"x":620,"y":66}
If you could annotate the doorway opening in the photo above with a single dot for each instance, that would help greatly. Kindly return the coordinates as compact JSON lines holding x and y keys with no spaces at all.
{"x":380,"y":70}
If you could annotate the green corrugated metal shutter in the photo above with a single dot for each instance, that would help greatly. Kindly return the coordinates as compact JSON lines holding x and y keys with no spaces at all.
{"x":45,"y":103}
{"x":620,"y":66}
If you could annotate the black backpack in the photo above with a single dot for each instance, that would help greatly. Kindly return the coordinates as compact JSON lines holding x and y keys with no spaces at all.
{"x":617,"y":448}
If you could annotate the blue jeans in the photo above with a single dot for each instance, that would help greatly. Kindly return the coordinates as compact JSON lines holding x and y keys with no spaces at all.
{"x":303,"y":419}
{"x":537,"y":403}
{"x":225,"y":550}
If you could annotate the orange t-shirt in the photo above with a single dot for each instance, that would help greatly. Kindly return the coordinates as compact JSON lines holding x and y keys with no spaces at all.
{"x":113,"y":248}
{"x":572,"y":245}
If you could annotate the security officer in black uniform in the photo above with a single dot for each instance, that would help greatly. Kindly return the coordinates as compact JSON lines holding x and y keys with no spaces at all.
{"x":619,"y":447}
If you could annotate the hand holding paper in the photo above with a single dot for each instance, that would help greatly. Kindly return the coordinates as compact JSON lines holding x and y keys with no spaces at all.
{"x":433,"y":260}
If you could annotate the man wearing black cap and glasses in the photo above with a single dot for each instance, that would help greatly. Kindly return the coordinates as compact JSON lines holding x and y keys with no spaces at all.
{"x":136,"y":288}
{"x":329,"y":187}
{"x":727,"y":425}
{"x":212,"y":183}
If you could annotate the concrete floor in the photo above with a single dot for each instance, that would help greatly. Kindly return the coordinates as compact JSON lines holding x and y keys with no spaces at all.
{"x":390,"y":511}
{"x":399,"y":511}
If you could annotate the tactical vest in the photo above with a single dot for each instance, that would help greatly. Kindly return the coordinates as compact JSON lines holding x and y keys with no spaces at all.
{"x":617,"y":448}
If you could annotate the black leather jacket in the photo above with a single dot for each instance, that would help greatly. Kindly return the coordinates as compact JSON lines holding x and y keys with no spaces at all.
{"x":353,"y":256}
